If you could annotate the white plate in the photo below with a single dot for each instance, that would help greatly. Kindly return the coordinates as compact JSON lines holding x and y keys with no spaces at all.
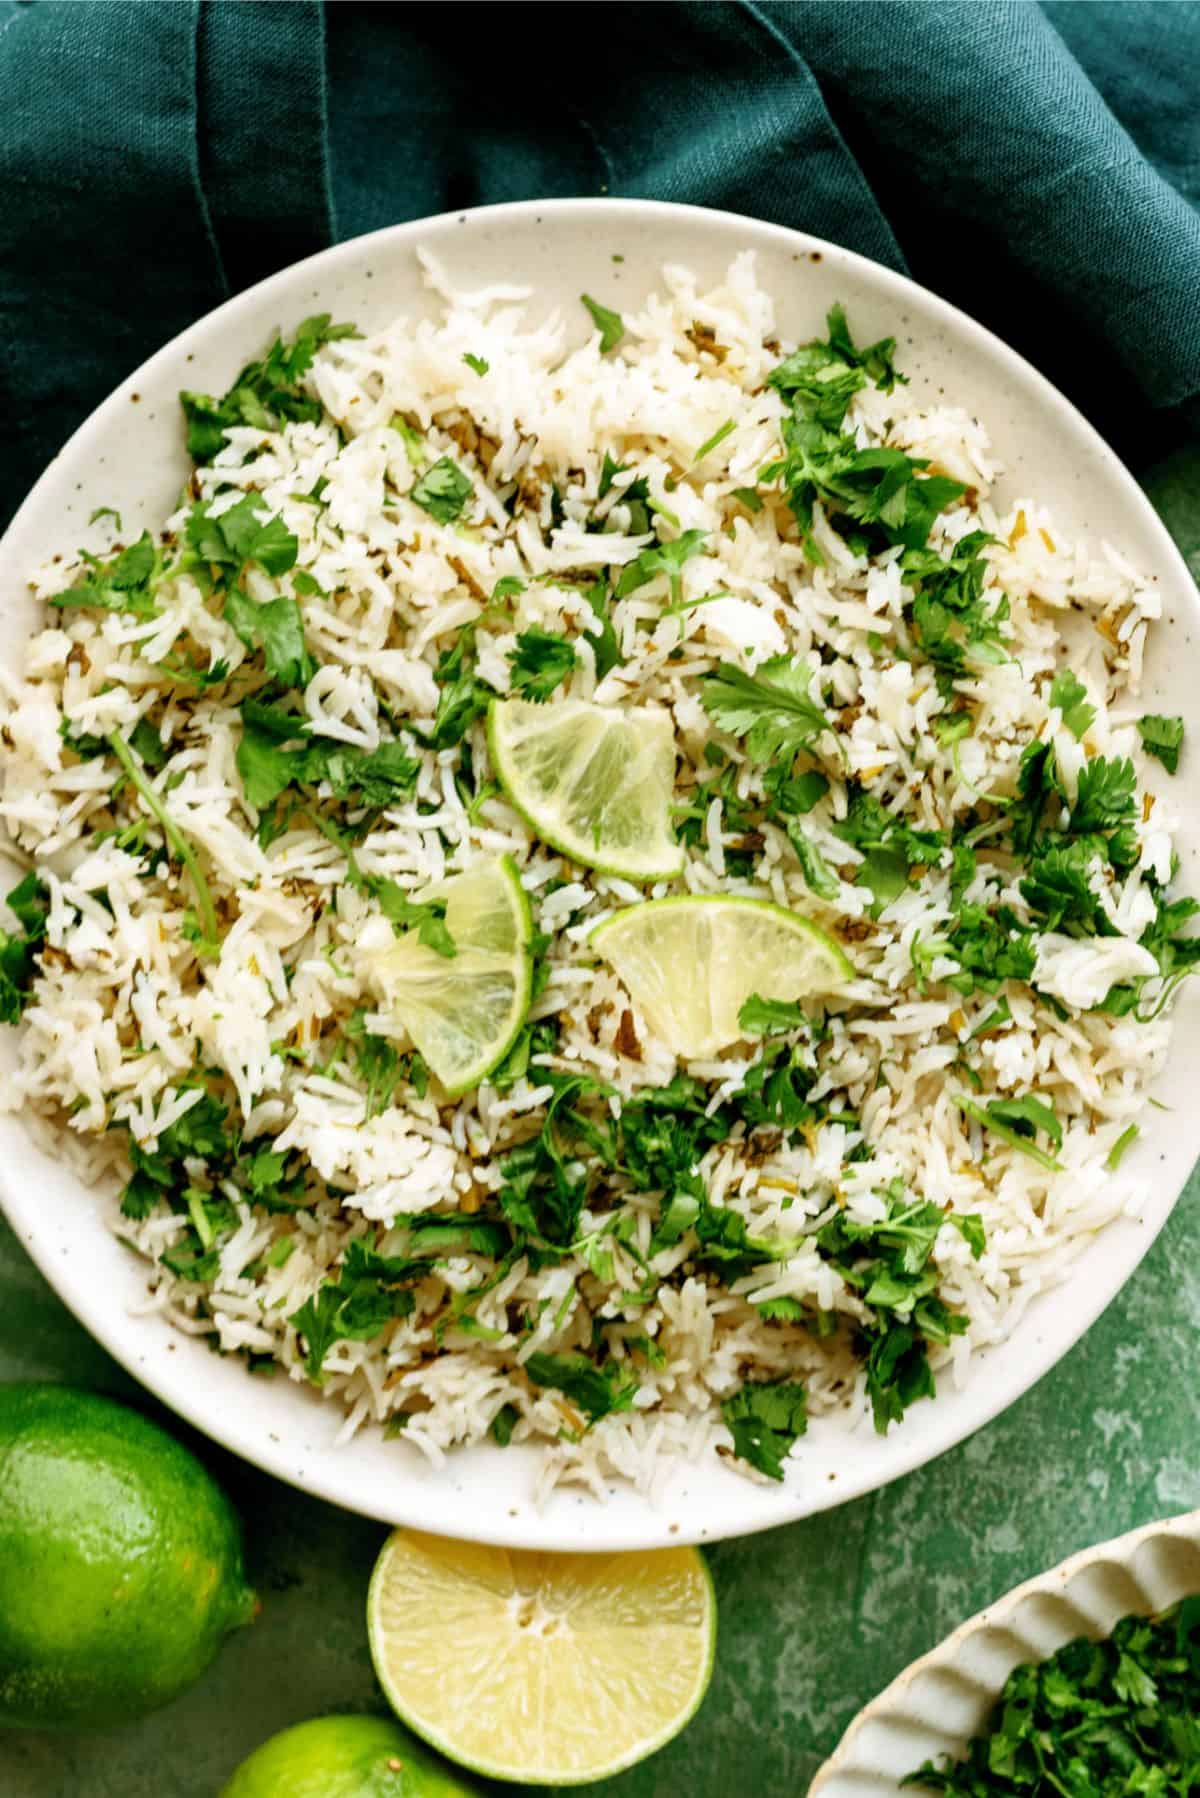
{"x":130,"y":455}
{"x":945,"y":1698}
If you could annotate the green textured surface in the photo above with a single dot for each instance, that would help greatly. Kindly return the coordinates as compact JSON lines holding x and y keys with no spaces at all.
{"x":814,"y":1618}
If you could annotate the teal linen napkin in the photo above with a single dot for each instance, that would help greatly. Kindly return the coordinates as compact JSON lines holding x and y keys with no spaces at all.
{"x":1037,"y":164}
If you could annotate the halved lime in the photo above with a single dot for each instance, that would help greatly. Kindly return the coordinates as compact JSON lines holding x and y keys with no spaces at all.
{"x":690,"y":964}
{"x":464,"y":1011}
{"x":593,"y":781}
{"x":548,"y":1669}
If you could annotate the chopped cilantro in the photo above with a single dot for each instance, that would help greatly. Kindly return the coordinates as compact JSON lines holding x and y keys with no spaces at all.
{"x":886,"y":494}
{"x":1105,"y":796}
{"x":610,"y":325}
{"x":123,"y":584}
{"x":29,"y":902}
{"x":277,"y":629}
{"x":952,"y":619}
{"x":541,"y":661}
{"x":442,"y":491}
{"x":476,"y":363}
{"x":227,"y":541}
{"x":463,"y":697}
{"x":1069,"y":694}
{"x":1016,"y":1122}
{"x":605,"y":647}
{"x":661,"y":558}
{"x":597,"y":1391}
{"x":770,"y":1017}
{"x":1095,"y":1720}
{"x":266,"y":394}
{"x":1162,"y":737}
{"x":711,"y":443}
{"x":765,"y":1419}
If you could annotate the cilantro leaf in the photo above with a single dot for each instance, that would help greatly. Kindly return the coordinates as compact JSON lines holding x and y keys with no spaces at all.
{"x":1058,"y":884}
{"x":953,"y":621}
{"x":477,"y":364}
{"x":597,"y":1391}
{"x":541,"y":661}
{"x":362,"y":1300}
{"x":1162,"y":737}
{"x":239,"y":535}
{"x":825,"y":376}
{"x":990,"y":948}
{"x":442,"y":491}
{"x":379,"y":778}
{"x":124,"y":584}
{"x":1106,"y":795}
{"x":1069,"y":694}
{"x":772,"y":709}
{"x":770,"y":1017}
{"x":276,"y":628}
{"x":604,"y":642}
{"x":793,"y":795}
{"x":428,"y":917}
{"x":661,"y":558}
{"x":765,"y":1420}
{"x":610,"y":325}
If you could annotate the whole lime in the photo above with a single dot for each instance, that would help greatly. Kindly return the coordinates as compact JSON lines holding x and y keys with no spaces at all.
{"x":120,"y":1562}
{"x":344,"y":1757}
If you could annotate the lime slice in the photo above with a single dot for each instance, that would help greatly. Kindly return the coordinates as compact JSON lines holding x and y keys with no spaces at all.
{"x":464,"y":1011}
{"x":689,"y":965}
{"x":593,"y":781}
{"x":549,"y":1669}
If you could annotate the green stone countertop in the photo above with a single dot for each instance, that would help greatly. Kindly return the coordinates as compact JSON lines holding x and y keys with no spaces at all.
{"x":814,"y":1618}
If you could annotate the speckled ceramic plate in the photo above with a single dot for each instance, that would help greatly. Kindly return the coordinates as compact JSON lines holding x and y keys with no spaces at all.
{"x":130,"y":454}
{"x":942,"y":1700}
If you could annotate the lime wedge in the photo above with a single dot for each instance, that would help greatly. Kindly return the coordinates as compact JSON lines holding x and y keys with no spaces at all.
{"x":464,"y":1011}
{"x":689,"y":965}
{"x":593,"y":781}
{"x":548,"y":1669}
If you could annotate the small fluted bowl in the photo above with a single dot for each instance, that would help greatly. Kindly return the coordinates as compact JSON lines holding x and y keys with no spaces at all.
{"x":945,"y":1698}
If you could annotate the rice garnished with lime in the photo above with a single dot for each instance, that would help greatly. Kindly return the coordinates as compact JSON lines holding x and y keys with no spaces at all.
{"x":602,"y":897}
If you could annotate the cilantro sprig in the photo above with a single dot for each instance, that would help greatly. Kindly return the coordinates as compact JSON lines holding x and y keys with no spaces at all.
{"x":773,"y":710}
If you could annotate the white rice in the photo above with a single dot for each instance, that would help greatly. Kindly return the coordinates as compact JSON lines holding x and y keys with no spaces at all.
{"x":122,"y":1009}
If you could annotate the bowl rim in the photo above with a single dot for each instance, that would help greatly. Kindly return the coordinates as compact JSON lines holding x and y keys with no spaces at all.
{"x":994,"y":1389}
{"x":1119,"y":1550}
